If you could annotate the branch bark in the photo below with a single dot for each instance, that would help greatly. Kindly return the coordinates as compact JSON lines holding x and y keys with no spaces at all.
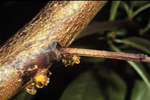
{"x":69,"y":52}
{"x":34,"y":48}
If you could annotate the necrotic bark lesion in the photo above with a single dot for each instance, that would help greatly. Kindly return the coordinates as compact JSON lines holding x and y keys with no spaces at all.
{"x":22,"y":67}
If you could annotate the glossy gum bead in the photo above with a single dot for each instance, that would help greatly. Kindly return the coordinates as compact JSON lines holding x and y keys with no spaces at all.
{"x":39,"y":81}
{"x":71,"y":61}
{"x":42,"y":79}
{"x":30,"y":88}
{"x":76,"y":59}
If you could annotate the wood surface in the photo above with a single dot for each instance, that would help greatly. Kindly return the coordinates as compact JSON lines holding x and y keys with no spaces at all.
{"x":34,"y":47}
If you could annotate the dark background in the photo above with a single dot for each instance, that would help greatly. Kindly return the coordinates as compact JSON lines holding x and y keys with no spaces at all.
{"x":15,"y":14}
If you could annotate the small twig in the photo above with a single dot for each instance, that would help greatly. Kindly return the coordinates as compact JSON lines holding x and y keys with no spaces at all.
{"x":106,"y":26}
{"x":68,"y":52}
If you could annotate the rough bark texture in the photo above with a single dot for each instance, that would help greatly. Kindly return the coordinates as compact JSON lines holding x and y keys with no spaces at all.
{"x":36,"y":43}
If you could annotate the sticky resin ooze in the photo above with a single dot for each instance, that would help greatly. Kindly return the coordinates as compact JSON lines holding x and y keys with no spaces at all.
{"x":39,"y":81}
{"x":71,"y":61}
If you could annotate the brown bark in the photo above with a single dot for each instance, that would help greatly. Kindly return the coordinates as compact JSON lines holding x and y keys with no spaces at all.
{"x":69,"y":52}
{"x":36,"y":43}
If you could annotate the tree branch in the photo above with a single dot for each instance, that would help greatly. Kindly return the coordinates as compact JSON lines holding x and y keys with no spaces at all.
{"x":34,"y":48}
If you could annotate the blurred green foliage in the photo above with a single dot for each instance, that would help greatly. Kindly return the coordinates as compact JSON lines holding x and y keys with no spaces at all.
{"x":140,"y":91}
{"x":108,"y":79}
{"x":96,"y":84}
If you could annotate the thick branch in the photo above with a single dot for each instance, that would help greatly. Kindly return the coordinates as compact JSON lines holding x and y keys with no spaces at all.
{"x":34,"y":47}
